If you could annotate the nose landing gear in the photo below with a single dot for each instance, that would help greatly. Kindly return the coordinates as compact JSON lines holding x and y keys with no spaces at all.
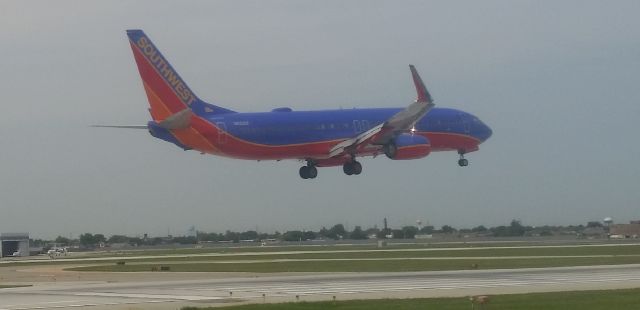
{"x":462,"y":162}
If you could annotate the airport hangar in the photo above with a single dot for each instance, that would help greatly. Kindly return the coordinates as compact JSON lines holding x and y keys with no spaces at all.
{"x":11,"y":243}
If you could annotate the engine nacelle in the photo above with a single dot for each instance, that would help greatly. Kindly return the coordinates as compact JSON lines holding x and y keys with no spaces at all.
{"x":408,"y":146}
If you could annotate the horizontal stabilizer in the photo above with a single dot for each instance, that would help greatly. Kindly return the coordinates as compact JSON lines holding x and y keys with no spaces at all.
{"x":122,"y":126}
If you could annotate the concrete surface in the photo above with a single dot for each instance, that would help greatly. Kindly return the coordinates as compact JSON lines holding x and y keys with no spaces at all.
{"x":57,"y":289}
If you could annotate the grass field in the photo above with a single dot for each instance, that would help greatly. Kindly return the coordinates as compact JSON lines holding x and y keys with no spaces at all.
{"x":312,"y":248}
{"x":583,"y":300}
{"x":317,"y":247}
{"x":399,"y":258}
{"x":365,"y":265}
{"x":337,"y":259}
{"x":337,"y":252}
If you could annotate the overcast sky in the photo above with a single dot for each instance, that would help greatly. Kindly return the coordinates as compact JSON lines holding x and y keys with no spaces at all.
{"x":557,"y":81}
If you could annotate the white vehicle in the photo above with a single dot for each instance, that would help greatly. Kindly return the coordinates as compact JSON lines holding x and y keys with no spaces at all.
{"x":57,"y":252}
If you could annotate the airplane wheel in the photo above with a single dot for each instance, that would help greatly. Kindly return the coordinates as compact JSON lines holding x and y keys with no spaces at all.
{"x":312,"y":172}
{"x":390,"y":149}
{"x":304,"y":172}
{"x":357,"y":168}
{"x":308,"y":172}
{"x":463,"y":162}
{"x":348,"y":168}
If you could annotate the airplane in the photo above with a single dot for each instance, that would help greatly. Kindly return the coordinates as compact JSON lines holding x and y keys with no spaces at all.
{"x":323,"y":138}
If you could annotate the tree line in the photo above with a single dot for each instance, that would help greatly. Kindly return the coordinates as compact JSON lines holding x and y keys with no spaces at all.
{"x":336,"y":232}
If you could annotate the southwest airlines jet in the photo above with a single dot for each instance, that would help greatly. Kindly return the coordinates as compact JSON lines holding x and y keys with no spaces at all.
{"x":319,"y":138}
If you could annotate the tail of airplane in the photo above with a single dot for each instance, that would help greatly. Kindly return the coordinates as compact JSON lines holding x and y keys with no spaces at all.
{"x":167,"y":92}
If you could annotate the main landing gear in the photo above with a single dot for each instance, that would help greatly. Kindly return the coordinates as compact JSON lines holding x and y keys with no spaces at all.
{"x":352,"y":167}
{"x":309,"y":171}
{"x":462,"y":162}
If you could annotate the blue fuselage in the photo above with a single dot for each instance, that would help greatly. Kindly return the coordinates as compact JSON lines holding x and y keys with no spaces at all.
{"x":297,"y":127}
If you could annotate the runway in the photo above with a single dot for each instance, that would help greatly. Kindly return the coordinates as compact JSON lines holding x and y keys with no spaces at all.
{"x":164,"y":292}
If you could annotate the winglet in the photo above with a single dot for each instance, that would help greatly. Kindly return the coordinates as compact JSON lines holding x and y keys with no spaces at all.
{"x":423,"y":93}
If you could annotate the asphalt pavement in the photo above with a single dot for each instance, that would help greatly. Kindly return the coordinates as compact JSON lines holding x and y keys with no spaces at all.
{"x":174,"y":290}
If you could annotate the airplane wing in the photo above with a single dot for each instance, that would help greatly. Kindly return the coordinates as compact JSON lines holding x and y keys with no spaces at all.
{"x":400,"y":122}
{"x":350,"y":144}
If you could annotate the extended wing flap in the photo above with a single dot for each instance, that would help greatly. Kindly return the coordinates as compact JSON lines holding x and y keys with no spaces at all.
{"x":359,"y":139}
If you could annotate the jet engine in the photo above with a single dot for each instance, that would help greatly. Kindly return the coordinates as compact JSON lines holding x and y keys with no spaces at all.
{"x":407,"y":146}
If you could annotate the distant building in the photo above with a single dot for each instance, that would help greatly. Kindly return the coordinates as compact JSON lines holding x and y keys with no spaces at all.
{"x":120,"y":245}
{"x":424,"y":236}
{"x":594,"y":232}
{"x":631,"y":230}
{"x":14,"y":244}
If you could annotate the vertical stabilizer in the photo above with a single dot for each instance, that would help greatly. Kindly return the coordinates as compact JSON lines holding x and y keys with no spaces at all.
{"x":166,"y":91}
